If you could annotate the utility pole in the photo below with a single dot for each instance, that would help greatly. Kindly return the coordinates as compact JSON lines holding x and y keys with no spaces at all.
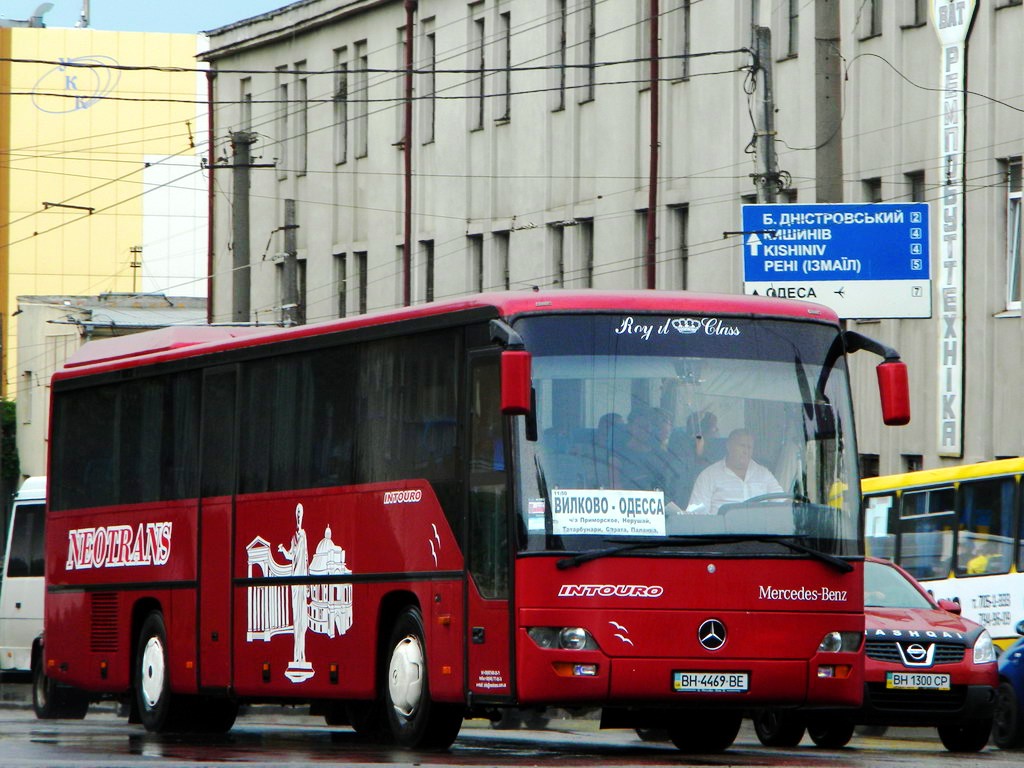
{"x":240,"y":277}
{"x":766,"y":179}
{"x":828,"y":108}
{"x":290,"y":279}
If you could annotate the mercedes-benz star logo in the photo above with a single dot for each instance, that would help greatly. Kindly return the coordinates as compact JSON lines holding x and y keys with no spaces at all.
{"x":711,"y":634}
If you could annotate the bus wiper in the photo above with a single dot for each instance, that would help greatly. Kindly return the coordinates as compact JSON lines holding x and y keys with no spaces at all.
{"x":836,"y":562}
{"x":597,"y":554}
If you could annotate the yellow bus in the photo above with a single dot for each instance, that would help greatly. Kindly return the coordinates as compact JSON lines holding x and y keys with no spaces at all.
{"x":958,"y":531}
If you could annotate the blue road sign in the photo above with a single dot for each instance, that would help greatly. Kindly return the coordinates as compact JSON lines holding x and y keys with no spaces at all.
{"x":863,"y":260}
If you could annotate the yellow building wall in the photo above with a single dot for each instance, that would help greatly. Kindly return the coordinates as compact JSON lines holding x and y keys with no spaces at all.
{"x":81,"y":136}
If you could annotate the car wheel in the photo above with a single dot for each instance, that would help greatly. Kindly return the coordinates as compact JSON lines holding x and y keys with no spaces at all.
{"x":966,"y":736}
{"x":700,"y":733}
{"x":778,"y":727}
{"x":830,"y":734}
{"x":1006,"y":724}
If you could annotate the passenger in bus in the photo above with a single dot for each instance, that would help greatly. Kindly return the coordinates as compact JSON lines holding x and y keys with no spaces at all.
{"x":642,"y":461}
{"x":737,"y":477}
{"x":984,"y":553}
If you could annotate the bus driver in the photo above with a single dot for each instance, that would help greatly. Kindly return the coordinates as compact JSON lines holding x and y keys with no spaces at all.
{"x":737,"y":477}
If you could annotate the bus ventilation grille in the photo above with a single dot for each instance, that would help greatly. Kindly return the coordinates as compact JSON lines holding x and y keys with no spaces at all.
{"x":103,"y":633}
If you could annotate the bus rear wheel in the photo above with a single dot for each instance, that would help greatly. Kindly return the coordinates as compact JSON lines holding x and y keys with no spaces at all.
{"x":152,"y":683}
{"x":778,"y":727}
{"x":413,"y":720}
{"x":53,"y":702}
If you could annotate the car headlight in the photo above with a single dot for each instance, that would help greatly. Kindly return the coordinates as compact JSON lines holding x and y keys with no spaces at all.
{"x":984,"y":648}
{"x":834,"y":642}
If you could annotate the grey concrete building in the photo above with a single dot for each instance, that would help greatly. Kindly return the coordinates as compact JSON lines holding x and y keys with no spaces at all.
{"x":435,"y":148}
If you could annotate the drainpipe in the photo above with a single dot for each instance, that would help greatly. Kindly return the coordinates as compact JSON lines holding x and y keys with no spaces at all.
{"x":210,"y":160}
{"x":410,"y":10}
{"x":650,"y":257}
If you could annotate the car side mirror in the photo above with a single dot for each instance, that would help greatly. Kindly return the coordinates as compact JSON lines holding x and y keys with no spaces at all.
{"x":950,"y":605}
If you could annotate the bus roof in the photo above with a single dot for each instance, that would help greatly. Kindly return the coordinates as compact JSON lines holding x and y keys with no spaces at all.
{"x":187,"y":341}
{"x":32,"y":489}
{"x":941,"y":475}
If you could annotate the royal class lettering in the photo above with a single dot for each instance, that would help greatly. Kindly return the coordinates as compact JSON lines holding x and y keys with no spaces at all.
{"x":610,"y":590}
{"x":709,"y":326}
{"x":402,"y":497}
{"x":824,"y":594}
{"x":119,"y":546}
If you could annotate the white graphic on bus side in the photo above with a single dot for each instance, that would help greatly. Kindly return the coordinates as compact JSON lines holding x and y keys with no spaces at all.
{"x":296,"y":609}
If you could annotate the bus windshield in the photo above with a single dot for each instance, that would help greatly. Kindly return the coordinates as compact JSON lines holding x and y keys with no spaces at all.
{"x":729,"y":433}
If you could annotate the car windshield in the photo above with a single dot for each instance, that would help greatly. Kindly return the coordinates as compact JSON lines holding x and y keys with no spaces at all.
{"x":656,"y":426}
{"x":885,"y":587}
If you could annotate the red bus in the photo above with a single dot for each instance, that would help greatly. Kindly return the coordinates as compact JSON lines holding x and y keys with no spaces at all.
{"x":451,"y":510}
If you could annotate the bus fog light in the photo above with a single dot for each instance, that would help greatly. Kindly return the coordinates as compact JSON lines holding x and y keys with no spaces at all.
{"x":837,"y":671}
{"x":568,"y":669}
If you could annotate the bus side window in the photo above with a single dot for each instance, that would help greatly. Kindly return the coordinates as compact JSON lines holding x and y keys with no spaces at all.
{"x":986,"y":526}
{"x":927,"y":521}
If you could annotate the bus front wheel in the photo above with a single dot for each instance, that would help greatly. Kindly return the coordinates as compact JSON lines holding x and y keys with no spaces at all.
{"x":413,"y":720}
{"x":152,"y":683}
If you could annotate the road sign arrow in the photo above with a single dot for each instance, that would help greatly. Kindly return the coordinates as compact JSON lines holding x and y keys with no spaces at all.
{"x":754,"y":242}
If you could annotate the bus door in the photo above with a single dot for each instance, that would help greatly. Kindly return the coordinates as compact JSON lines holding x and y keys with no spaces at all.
{"x":487,"y":545}
{"x":217,"y":482}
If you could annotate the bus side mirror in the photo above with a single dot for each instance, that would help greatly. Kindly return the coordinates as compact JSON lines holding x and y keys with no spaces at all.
{"x":516,"y":382}
{"x":894,"y":390}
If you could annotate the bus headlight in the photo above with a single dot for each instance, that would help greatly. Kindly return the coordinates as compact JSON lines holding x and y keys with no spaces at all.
{"x":834,"y":642}
{"x":984,"y":649}
{"x":565,"y":638}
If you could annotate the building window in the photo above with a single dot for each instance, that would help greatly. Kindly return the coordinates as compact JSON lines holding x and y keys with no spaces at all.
{"x":300,"y":279}
{"x":341,"y":282}
{"x":478,"y":67}
{"x":912,"y":462}
{"x":870,"y":19}
{"x":1013,"y":232}
{"x":585,"y":240}
{"x":25,"y":397}
{"x":282,"y":123}
{"x":872,"y":190}
{"x":245,"y":94}
{"x":559,"y":56}
{"x":340,"y":106}
{"x":504,"y":108}
{"x":362,"y":276}
{"x":500,"y":241}
{"x":868,"y":464}
{"x":301,"y":122}
{"x":475,"y":243}
{"x":916,"y":15}
{"x":588,"y":50}
{"x":681,"y":236}
{"x":792,"y":27}
{"x":915,"y":186}
{"x":556,"y":241}
{"x":427,"y":256}
{"x":360,"y":106}
{"x":428,"y":78}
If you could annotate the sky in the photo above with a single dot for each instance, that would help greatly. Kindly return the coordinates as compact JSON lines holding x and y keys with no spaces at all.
{"x":188,"y":16}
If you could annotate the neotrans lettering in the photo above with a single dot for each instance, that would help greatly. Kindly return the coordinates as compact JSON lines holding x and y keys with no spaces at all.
{"x":117,"y":546}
